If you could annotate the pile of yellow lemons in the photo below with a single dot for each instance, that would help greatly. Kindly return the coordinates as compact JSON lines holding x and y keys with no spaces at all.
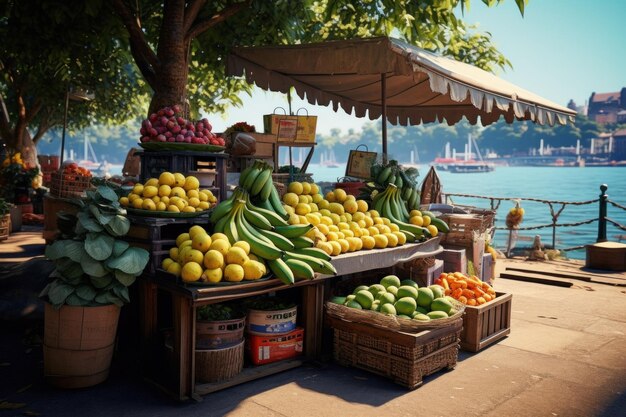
{"x":200,"y":257}
{"x":342,"y":223}
{"x":171,"y":192}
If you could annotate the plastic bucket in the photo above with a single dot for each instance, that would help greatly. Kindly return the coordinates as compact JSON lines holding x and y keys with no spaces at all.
{"x":268,"y":322}
{"x":219,"y":334}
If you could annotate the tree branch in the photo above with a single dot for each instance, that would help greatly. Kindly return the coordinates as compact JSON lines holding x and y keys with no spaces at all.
{"x":144,"y":56}
{"x":5,"y":127}
{"x":34,"y":110}
{"x":204,"y":24}
{"x":191,"y":13}
{"x":44,"y":125}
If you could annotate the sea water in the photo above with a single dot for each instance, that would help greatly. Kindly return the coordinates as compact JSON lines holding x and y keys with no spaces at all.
{"x":555,"y":184}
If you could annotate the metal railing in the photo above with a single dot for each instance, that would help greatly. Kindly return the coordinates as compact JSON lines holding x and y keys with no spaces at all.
{"x":556,"y":209}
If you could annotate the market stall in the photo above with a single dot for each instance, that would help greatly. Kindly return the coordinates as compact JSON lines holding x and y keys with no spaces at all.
{"x":241,"y":279}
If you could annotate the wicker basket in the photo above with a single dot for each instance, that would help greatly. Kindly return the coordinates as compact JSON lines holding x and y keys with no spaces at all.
{"x":404,"y":358}
{"x":64,"y":187}
{"x":216,"y":365}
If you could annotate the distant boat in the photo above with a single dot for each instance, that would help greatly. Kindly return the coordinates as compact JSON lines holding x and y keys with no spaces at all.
{"x":328,"y":161}
{"x":466,"y":165}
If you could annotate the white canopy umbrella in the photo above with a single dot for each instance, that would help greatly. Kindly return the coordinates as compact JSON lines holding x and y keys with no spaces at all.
{"x":390,"y":78}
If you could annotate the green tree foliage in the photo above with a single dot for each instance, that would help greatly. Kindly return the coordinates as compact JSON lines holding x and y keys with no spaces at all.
{"x":180,"y":47}
{"x":429,"y":140}
{"x":51,"y":46}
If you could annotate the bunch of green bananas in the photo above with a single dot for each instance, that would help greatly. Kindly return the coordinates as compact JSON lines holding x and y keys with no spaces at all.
{"x":389,"y":204}
{"x":403,"y":179}
{"x":257,"y":181}
{"x":289,"y":254}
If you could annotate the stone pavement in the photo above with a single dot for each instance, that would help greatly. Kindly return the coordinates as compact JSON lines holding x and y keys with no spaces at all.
{"x":566,"y":356}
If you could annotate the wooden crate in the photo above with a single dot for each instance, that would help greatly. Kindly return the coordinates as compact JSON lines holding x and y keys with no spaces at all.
{"x":423,"y":276}
{"x":486,"y":324}
{"x":158,"y":235}
{"x":405,"y":358}
{"x":462,"y":227}
{"x":454,"y":260}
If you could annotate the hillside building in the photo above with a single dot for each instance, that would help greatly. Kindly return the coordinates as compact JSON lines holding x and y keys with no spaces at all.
{"x":608,"y":107}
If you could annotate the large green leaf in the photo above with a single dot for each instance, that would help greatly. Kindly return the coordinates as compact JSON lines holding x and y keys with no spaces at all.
{"x":68,"y":269}
{"x":118,"y":226}
{"x":75,"y":300}
{"x":124,"y":278}
{"x":107,"y":193}
{"x":72,"y":249}
{"x":59,"y":292}
{"x":89,"y":223}
{"x":132,"y":261}
{"x":108,"y":298}
{"x":93,"y":267}
{"x":119,"y":247}
{"x":86,"y":292}
{"x":122,"y":293}
{"x":99,"y":245}
{"x":101,"y":282}
{"x":102,"y":218}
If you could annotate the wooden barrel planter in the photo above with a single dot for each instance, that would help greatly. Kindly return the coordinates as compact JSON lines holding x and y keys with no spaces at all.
{"x":5,"y":225}
{"x":78,"y":344}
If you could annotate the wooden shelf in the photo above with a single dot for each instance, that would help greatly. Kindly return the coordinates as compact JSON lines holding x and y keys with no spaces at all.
{"x":248,"y":374}
{"x":186,"y":298}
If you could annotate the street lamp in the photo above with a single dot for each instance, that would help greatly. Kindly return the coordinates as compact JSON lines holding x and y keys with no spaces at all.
{"x":75,"y":95}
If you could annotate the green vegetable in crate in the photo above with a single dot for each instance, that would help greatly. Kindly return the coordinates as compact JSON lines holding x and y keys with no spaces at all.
{"x":217,"y":312}
{"x":406,"y":302}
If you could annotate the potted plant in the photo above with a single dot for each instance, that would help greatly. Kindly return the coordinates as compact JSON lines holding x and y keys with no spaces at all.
{"x":93,"y":270}
{"x":5,"y":218}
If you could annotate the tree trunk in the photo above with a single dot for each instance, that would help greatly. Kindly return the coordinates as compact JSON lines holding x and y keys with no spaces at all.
{"x":28,"y":149}
{"x":171,"y":76}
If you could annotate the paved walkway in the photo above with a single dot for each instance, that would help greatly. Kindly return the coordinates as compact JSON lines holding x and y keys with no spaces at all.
{"x":566,"y":356}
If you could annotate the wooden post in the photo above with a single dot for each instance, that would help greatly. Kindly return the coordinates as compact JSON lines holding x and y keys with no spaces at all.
{"x":602,"y":216}
{"x":383,"y":84}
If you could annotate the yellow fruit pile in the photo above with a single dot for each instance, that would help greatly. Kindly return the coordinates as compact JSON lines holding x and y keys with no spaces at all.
{"x":418,"y":219}
{"x":171,"y":192}
{"x":342,"y":223}
{"x":200,"y":257}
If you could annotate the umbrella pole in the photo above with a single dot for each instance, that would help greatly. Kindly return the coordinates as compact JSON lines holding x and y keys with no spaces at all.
{"x":67,"y":103}
{"x":383,"y":88}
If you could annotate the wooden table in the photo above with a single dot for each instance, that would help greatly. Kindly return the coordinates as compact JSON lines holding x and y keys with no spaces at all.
{"x":180,"y":381}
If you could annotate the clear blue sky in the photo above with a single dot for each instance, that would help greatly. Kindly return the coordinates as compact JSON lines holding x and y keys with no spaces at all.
{"x":560,"y":49}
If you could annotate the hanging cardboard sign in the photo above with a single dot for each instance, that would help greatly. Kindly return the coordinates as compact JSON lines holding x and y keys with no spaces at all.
{"x":305,"y":126}
{"x":360,"y":163}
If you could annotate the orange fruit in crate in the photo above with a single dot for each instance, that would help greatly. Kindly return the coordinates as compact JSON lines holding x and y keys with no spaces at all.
{"x":306,"y":188}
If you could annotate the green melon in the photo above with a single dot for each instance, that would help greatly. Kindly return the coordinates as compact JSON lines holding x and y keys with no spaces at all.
{"x":405,"y":306}
{"x":434,"y":315}
{"x":390,"y":280}
{"x":365,"y":298}
{"x":407,"y":291}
